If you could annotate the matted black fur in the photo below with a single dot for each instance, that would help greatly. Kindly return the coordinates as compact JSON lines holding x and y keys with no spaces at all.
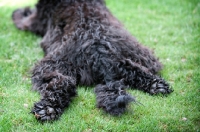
{"x":84,"y":44}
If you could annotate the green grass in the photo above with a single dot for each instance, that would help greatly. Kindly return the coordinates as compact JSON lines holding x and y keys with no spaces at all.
{"x":170,"y":27}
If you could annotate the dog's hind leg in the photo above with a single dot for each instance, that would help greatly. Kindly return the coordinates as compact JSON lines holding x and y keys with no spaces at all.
{"x":112,"y":97}
{"x":56,"y":92}
{"x":152,"y":84}
{"x":140,"y":78}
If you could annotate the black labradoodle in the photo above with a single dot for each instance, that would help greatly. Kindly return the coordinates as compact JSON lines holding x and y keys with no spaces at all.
{"x":84,"y":44}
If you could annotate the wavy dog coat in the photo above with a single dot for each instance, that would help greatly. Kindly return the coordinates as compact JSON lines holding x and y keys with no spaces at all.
{"x":84,"y":44}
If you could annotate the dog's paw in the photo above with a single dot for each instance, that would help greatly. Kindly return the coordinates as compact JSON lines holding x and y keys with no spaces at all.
{"x":44,"y":111}
{"x":160,"y":86}
{"x":21,"y":18}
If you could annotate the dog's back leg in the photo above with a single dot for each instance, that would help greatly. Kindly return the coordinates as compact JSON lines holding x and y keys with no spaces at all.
{"x":140,"y":78}
{"x":112,"y":97}
{"x":56,"y":92}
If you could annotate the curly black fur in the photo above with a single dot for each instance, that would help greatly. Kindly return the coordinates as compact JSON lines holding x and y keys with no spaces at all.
{"x":84,"y":44}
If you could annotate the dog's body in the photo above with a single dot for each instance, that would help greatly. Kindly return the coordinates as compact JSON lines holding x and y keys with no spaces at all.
{"x":84,"y":44}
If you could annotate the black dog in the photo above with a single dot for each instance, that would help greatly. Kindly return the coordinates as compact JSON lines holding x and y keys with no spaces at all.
{"x":84,"y":44}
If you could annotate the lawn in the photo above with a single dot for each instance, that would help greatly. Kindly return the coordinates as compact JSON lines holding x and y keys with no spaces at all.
{"x":170,"y":27}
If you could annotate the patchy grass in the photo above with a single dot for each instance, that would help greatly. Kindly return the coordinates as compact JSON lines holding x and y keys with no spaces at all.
{"x":171,"y":28}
